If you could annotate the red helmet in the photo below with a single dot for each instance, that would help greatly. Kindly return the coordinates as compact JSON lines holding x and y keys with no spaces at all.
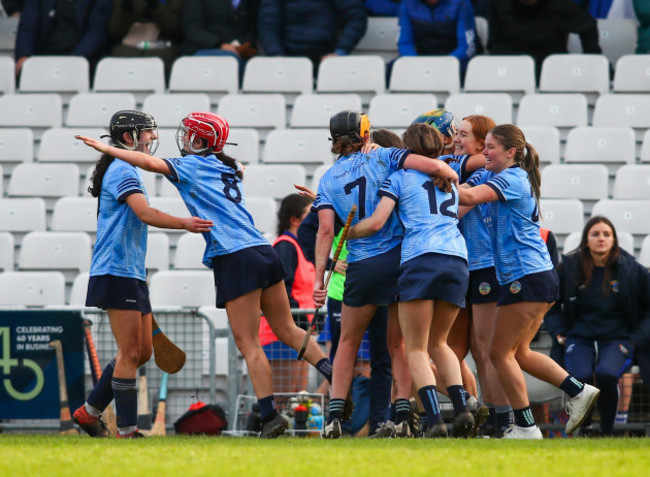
{"x":209,"y":126}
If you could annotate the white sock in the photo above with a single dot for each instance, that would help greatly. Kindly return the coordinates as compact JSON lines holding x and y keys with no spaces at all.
{"x":127,"y":430}
{"x":93,"y":411}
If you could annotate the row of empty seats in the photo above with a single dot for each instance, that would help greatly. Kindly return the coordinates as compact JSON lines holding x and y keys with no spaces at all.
{"x":266,"y":112}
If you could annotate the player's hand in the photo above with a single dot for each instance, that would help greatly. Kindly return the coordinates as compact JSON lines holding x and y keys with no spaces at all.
{"x":320,"y":295}
{"x":246,"y":50}
{"x":94,"y":143}
{"x":341,"y":266}
{"x":306,"y":191}
{"x":229,"y":47}
{"x":196,"y":224}
{"x":371,"y":146}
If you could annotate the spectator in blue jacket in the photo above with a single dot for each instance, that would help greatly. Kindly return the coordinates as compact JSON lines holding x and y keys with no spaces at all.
{"x":603,"y":317}
{"x":437,"y":27}
{"x":75,"y":27}
{"x":383,"y":8}
{"x":311,"y":28}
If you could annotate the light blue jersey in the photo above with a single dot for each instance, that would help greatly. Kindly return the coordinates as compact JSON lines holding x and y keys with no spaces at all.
{"x":429,"y":215}
{"x":212,"y":191}
{"x":459,"y":164}
{"x":476,"y":233}
{"x":513,"y":222}
{"x":121,"y":245}
{"x":356,"y":179}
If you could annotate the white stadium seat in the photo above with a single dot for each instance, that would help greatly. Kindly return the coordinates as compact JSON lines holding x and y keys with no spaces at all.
{"x":66,"y":75}
{"x":158,"y":251}
{"x":315,"y":110}
{"x":212,"y":75}
{"x":32,"y":288}
{"x":627,"y":215}
{"x":364,"y":75}
{"x":617,"y":38}
{"x":75,"y":214}
{"x":169,"y":109}
{"x":55,"y":250}
{"x":22,"y":215}
{"x":16,"y":146}
{"x":632,"y":182}
{"x":244,"y":145}
{"x":300,"y":146}
{"x":182,"y":288}
{"x":6,"y":251}
{"x":7,"y":70}
{"x":397,"y":110}
{"x":562,"y":216}
{"x":60,"y":145}
{"x":513,"y":74}
{"x":546,"y":141}
{"x":261,"y":111}
{"x":380,"y":38}
{"x":562,"y":110}
{"x":439,"y":75}
{"x":290,"y":76}
{"x":264,"y":213}
{"x":44,"y":180}
{"x":632,"y":74}
{"x":620,"y":110}
{"x":575,"y":73}
{"x":611,"y":146}
{"x":79,"y":289}
{"x":189,"y":252}
{"x":140,"y":76}
{"x":272,"y":180}
{"x":566,"y":181}
{"x":36,"y":111}
{"x":498,"y":106}
{"x":96,"y":109}
{"x":644,"y":258}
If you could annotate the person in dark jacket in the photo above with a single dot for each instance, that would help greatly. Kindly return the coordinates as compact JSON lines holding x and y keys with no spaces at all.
{"x":314,"y":28}
{"x":642,"y":12}
{"x":604,"y":306}
{"x":11,"y":8}
{"x":147,"y":28}
{"x":437,"y":27}
{"x":76,"y":27}
{"x":539,"y":28}
{"x":218,"y":27}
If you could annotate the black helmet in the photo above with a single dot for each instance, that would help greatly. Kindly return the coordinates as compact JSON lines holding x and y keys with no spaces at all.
{"x":132,"y":122}
{"x":349,"y":123}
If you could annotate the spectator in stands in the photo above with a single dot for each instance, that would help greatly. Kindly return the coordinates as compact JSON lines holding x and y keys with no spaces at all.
{"x":76,"y":27}
{"x":147,"y":28}
{"x":383,"y":8}
{"x":481,"y":8}
{"x":315,"y":29}
{"x":437,"y":27}
{"x":289,"y":374}
{"x":539,"y":28}
{"x":608,"y":8}
{"x":642,"y":11}
{"x":605,"y":301}
{"x":221,"y":27}
{"x":11,"y":8}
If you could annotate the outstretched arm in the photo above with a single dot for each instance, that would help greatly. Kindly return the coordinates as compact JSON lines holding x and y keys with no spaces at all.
{"x":476,"y":195}
{"x":324,"y":240}
{"x":151,"y":216}
{"x":138,"y":159}
{"x":432,"y":167}
{"x":375,"y":222}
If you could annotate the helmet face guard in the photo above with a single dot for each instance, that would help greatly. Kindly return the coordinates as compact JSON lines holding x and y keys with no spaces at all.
{"x":212,"y":128}
{"x":441,"y":119}
{"x":349,"y":123}
{"x":133,"y":123}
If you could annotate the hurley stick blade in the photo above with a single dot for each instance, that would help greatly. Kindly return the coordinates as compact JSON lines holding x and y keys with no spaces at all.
{"x":169,"y":357}
{"x":66,"y":424}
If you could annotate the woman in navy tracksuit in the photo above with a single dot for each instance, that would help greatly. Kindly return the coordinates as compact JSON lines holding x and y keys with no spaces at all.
{"x":604,"y":304}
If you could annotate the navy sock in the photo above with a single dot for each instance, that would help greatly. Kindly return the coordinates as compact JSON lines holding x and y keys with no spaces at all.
{"x":336,"y":409}
{"x":457,"y":396}
{"x":571,"y":386}
{"x":324,"y":366}
{"x":503,"y":417}
{"x":492,"y":416}
{"x":402,"y":410}
{"x":102,"y":394}
{"x":429,"y":399}
{"x":267,"y":408}
{"x":524,"y":417}
{"x":126,"y":401}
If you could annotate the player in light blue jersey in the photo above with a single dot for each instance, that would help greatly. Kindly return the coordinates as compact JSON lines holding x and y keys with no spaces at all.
{"x":474,"y":325}
{"x":117,"y":274}
{"x":373,"y":262}
{"x":248,"y":273}
{"x":433,"y":276}
{"x":528,"y":283}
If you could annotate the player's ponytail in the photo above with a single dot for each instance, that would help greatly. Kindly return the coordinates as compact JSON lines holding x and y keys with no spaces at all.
{"x":230,"y":162}
{"x":530,"y":163}
{"x":101,"y":166}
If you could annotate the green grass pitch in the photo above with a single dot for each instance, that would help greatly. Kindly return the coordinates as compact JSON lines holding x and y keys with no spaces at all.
{"x":53,"y":455}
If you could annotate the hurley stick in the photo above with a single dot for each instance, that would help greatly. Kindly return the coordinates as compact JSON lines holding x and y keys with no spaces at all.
{"x":159,"y":428}
{"x":66,"y":424}
{"x":169,"y":357}
{"x":337,"y":252}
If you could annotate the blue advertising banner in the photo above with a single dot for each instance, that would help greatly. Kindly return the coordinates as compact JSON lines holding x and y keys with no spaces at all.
{"x":29,"y":385}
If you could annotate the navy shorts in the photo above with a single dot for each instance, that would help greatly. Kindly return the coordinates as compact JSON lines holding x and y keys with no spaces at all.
{"x":483,"y":286}
{"x":238,"y":273}
{"x":373,"y":281}
{"x":542,"y":287}
{"x":434,"y":276}
{"x":119,"y":293}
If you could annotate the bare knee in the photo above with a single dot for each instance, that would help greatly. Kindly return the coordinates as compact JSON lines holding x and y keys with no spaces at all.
{"x":129,"y":357}
{"x":145,"y":356}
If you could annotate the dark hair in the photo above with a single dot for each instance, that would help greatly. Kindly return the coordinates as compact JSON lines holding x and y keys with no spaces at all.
{"x":345,"y":146}
{"x":587,"y":261}
{"x":229,"y":161}
{"x":387,"y":138}
{"x":101,"y":166}
{"x":510,"y":136}
{"x":291,"y":206}
{"x":427,"y":141}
